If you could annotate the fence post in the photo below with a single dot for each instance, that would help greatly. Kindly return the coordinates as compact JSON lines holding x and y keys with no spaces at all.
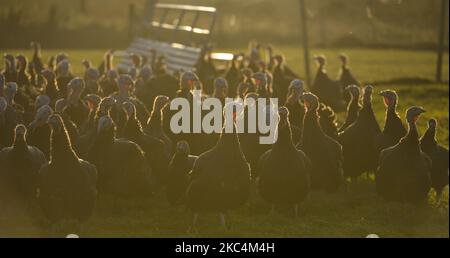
{"x":149,"y":9}
{"x":83,"y":7}
{"x":131,"y":20}
{"x":305,"y":40}
{"x":440,"y":48}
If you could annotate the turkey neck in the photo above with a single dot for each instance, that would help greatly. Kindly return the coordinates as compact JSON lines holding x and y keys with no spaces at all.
{"x":392,"y":119}
{"x":50,"y":87}
{"x":180,"y":158}
{"x":61,"y":148}
{"x":229,"y":143}
{"x":429,"y":138}
{"x":133,"y":129}
{"x":36,"y":53}
{"x":155,"y":122}
{"x":105,"y":139}
{"x":354,"y":104}
{"x":123,"y":95}
{"x":10,"y":99}
{"x":311,"y":123}
{"x":412,"y":138}
{"x":366,"y":114}
{"x":185,"y":93}
{"x":12,"y":67}
{"x":91,"y":119}
{"x":322,"y":69}
{"x":108,"y":63}
{"x":284,"y":141}
{"x":20,"y":144}
{"x":367,"y":102}
{"x":280,"y":67}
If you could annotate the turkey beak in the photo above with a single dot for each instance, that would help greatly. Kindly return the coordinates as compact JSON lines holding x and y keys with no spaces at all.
{"x":416,"y":117}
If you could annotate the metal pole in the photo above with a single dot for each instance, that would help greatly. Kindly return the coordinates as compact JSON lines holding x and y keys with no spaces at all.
{"x":149,"y":9}
{"x":211,"y":26}
{"x":180,"y":21}
{"x":131,"y":20}
{"x":440,"y":49}
{"x":305,"y":40}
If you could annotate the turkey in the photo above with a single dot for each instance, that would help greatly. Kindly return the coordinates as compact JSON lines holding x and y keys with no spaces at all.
{"x":404,"y":171}
{"x":125,"y":93}
{"x":10,"y":70}
{"x":27,"y":92}
{"x":439,"y":158}
{"x":284,"y":171}
{"x":294,"y":105}
{"x":220,"y":89}
{"x":11,"y":114}
{"x":154,"y":148}
{"x":154,"y":126}
{"x":261,"y":84}
{"x":178,"y":176}
{"x":2,"y":85}
{"x":249,"y":140}
{"x":86,"y":139}
{"x":232,"y":76}
{"x":71,"y":127}
{"x":67,"y":184}
{"x":91,"y":78}
{"x":282,"y":77}
{"x":324,"y":152}
{"x":40,"y":101}
{"x":359,"y":141}
{"x":346,"y":77}
{"x":108,"y":83}
{"x":141,"y":92}
{"x":247,"y":84}
{"x":327,"y":120}
{"x":92,"y":101}
{"x":49,"y":84}
{"x":107,"y":63}
{"x":123,"y":171}
{"x":328,"y":91}
{"x":353,"y":107}
{"x":37,"y":59}
{"x":63,"y":74}
{"x":20,"y":165}
{"x":39,"y":130}
{"x":162,"y":83}
{"x":18,"y":101}
{"x":76,"y":108}
{"x":393,"y":129}
{"x":220,"y":178}
{"x":23,"y":78}
{"x":4,"y":137}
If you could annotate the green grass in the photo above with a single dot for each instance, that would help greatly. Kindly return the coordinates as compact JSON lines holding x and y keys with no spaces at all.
{"x":354,"y":214}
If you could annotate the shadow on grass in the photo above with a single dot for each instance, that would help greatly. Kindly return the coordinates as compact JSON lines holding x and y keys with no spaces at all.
{"x":356,"y":213}
{"x":413,"y":81}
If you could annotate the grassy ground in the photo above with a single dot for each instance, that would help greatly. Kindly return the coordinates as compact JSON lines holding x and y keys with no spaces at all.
{"x":355,"y":214}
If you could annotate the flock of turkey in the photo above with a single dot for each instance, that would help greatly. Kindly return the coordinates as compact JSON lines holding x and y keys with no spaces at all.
{"x":65,"y":140}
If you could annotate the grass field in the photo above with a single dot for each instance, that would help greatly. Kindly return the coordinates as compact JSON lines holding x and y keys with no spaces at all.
{"x":354,"y":214}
